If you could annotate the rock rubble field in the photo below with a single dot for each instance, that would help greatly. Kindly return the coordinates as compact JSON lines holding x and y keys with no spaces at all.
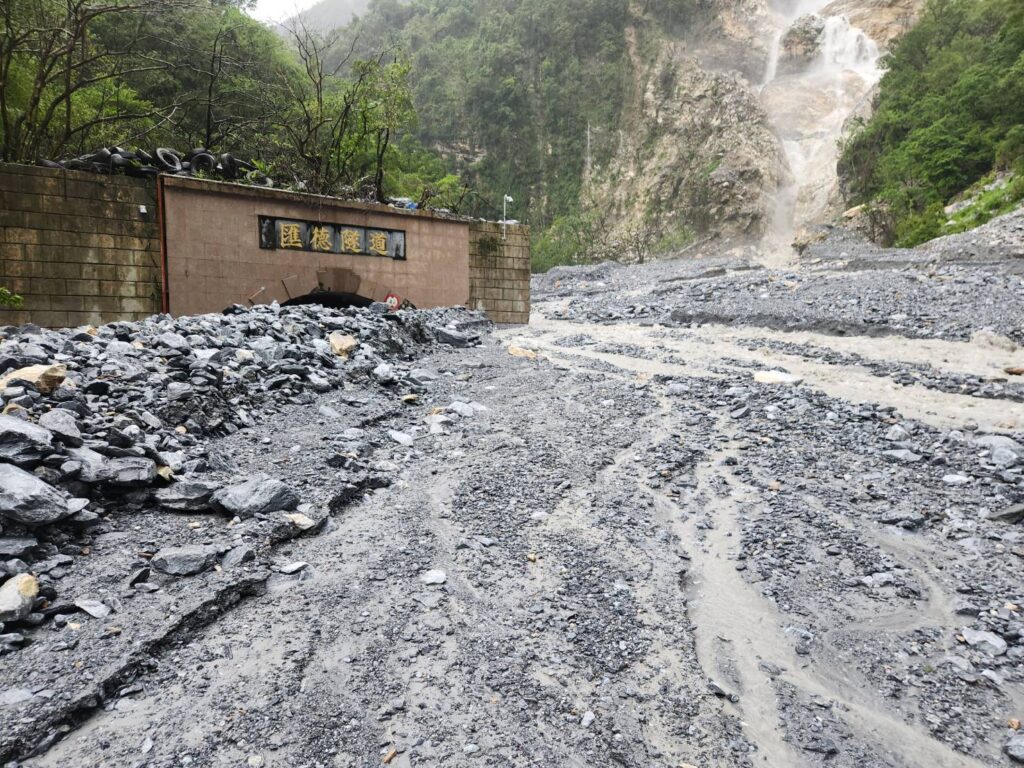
{"x":697,"y":514}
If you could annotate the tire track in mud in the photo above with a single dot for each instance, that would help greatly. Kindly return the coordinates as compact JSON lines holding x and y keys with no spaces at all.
{"x":736,"y":628}
{"x":713,"y":351}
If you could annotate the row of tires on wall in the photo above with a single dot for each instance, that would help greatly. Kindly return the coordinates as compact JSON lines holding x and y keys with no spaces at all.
{"x":139,"y":162}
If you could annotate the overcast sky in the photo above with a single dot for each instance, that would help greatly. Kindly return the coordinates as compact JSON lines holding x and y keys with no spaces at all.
{"x":279,"y":10}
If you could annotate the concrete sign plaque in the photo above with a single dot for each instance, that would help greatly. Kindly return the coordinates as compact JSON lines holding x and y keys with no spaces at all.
{"x":318,"y":237}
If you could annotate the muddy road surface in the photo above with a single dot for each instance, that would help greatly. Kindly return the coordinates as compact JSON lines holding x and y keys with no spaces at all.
{"x":632,"y":543}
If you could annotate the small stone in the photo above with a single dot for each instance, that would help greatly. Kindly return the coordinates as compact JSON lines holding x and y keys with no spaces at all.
{"x":300,"y":521}
{"x":1014,"y":748}
{"x":236,"y":556}
{"x":454,"y":338}
{"x":291,"y":568}
{"x":1012,"y":514}
{"x":13,"y":696}
{"x":131,"y":471}
{"x":902,"y":456}
{"x":588,"y":719}
{"x":401,"y":438}
{"x":776,"y":377}
{"x":94,"y":608}
{"x":956,"y":479}
{"x":465,"y":410}
{"x":16,"y":546}
{"x":384,"y":373}
{"x":434,"y":577}
{"x":22,"y":442}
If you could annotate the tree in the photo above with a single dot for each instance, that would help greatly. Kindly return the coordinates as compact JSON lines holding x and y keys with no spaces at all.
{"x":59,"y":87}
{"x":341,"y":115}
{"x":950,"y":110}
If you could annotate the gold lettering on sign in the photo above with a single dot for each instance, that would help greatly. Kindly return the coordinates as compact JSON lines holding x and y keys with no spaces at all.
{"x":291,"y":236}
{"x":320,"y":239}
{"x":379,"y":243}
{"x":351,"y":242}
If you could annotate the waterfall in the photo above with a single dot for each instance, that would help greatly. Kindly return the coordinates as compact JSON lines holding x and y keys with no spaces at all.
{"x":772,"y":67}
{"x":809,"y":107}
{"x":844,"y":47}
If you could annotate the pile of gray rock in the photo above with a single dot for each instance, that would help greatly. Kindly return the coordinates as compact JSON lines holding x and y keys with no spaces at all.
{"x":111,"y":420}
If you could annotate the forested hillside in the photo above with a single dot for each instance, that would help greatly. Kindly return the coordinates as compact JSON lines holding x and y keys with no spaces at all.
{"x":82,"y":75}
{"x":618,"y":127}
{"x":507,"y":90}
{"x":949,"y":115}
{"x":525,"y":98}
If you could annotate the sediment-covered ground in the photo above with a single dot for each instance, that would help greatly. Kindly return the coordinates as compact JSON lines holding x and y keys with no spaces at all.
{"x":696,"y":514}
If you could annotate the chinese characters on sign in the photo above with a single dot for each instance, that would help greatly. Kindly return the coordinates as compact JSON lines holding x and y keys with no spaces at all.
{"x":291,"y":235}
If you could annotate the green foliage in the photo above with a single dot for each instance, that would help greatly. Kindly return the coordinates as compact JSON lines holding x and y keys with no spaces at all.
{"x":507,"y":91}
{"x":79,"y":75}
{"x":950,"y":109}
{"x":9,"y":300}
{"x":577,"y":237}
{"x":674,"y":241}
{"x":987,"y":200}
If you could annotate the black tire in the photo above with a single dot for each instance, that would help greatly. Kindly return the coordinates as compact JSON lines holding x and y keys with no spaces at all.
{"x":167,"y":160}
{"x":204,"y":162}
{"x":144,"y":156}
{"x":192,"y":153}
{"x":50,"y":164}
{"x":119,"y":163}
{"x":228,"y":166}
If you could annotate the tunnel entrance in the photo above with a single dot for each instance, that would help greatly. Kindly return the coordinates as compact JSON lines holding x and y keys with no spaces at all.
{"x":332,"y":299}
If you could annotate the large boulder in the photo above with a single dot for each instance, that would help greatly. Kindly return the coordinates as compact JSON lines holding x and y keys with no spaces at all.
{"x":22,"y":442}
{"x":184,"y":561}
{"x":258,"y":495}
{"x":342,"y":344}
{"x":801,"y":43}
{"x":45,"y":378}
{"x":62,"y":423}
{"x":185,"y":497}
{"x":128,"y":471}
{"x":26,"y":499}
{"x":17,"y":597}
{"x":1015,"y":748}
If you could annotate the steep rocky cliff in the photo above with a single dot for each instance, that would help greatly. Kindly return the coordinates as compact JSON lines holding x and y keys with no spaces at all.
{"x":732,"y":129}
{"x":695,"y":151}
